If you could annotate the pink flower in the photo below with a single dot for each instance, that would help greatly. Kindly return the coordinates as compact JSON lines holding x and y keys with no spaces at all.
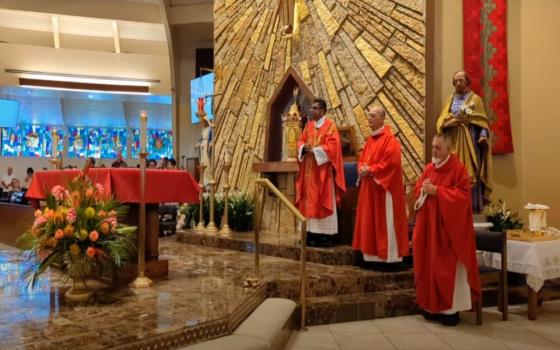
{"x":113,"y":222}
{"x":41,"y":220}
{"x":58,"y":192}
{"x":71,"y":215}
{"x":99,"y":188}
{"x":93,"y":236}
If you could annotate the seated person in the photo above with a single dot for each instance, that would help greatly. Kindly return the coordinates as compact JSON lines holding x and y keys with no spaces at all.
{"x":15,"y":185}
{"x":119,"y":163}
{"x":7,"y":179}
{"x":152,"y":164}
{"x":171,"y":164}
{"x":28,"y":176}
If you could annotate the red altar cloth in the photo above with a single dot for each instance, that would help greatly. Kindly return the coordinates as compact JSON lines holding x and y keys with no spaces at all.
{"x":162,"y":186}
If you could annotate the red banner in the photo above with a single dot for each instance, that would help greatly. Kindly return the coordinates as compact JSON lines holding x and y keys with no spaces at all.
{"x":485,"y":60}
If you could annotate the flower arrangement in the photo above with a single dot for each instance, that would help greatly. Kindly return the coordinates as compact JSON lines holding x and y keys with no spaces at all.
{"x":502,"y":218}
{"x":78,"y":232}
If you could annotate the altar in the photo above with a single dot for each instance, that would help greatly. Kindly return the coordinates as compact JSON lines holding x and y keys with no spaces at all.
{"x":162,"y":186}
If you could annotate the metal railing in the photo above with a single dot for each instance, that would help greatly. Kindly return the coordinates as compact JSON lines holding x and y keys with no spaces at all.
{"x":257,"y":222}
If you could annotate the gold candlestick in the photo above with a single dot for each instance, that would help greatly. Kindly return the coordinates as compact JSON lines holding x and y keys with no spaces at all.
{"x":226,"y":231}
{"x":211,"y":228}
{"x":200,"y":227}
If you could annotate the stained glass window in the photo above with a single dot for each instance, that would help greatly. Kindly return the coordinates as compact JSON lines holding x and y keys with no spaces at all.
{"x":113,"y":140}
{"x":77,"y":142}
{"x":48,"y":140}
{"x":160,"y":143}
{"x":11,"y":146}
{"x":36,"y":140}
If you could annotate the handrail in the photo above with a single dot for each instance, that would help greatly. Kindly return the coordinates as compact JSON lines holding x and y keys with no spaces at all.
{"x":257,"y":218}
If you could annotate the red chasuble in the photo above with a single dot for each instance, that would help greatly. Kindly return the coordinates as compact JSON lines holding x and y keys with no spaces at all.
{"x":444,"y":235}
{"x":314,"y":186}
{"x":382,"y":154}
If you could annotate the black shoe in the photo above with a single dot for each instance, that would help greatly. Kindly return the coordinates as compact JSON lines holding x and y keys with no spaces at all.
{"x":312,"y":240}
{"x":428,"y":316}
{"x":450,"y":320}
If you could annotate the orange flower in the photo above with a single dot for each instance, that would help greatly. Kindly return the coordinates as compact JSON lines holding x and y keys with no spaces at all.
{"x":105,"y":228}
{"x":102,"y":213}
{"x":93,"y":236}
{"x":91,"y":252}
{"x":38,"y":213}
{"x":58,"y":218}
{"x":59,"y":234}
{"x":69,"y":230}
{"x":89,"y":192}
{"x":50,"y":214}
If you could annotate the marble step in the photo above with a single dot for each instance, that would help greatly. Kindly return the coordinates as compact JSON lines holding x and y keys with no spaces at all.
{"x":337,"y":283}
{"x":283,"y":246}
{"x":359,"y":306}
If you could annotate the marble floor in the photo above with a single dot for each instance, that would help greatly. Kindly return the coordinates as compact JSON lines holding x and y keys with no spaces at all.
{"x":199,"y":289}
{"x":204,"y":284}
{"x":412,"y":332}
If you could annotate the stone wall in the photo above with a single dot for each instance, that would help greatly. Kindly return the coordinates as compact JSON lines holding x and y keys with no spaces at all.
{"x":352,"y":53}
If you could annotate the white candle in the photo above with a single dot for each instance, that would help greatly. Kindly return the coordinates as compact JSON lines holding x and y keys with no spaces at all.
{"x":143,"y":130}
{"x":54,"y":143}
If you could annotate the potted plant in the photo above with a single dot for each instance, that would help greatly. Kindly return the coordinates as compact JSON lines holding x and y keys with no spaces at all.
{"x":502,"y":218}
{"x":241,"y":211}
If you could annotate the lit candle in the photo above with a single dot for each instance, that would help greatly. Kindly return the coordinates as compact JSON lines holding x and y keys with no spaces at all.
{"x":143,"y":131}
{"x":54,"y":143}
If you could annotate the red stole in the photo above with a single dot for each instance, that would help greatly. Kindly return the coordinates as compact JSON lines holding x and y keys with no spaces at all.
{"x":443,"y":235}
{"x":382,"y":154}
{"x":314,"y":195}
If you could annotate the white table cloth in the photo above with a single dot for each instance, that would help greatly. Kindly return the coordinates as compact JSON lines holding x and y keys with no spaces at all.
{"x":540,"y":261}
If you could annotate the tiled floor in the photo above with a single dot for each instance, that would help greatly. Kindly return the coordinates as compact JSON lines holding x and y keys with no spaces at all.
{"x":412,"y":332}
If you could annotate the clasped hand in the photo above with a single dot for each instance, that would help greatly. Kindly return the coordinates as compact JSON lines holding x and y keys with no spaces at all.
{"x":429,"y":188}
{"x":364,"y":171}
{"x":457,"y":119}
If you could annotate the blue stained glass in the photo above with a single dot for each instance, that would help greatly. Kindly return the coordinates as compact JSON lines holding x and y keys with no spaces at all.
{"x":47,"y":137}
{"x":77,"y":142}
{"x":113,"y":140}
{"x":160,"y":143}
{"x":11,"y":146}
{"x":94,"y":137}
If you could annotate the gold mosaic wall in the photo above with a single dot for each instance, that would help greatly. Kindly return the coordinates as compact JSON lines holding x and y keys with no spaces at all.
{"x":352,"y":53}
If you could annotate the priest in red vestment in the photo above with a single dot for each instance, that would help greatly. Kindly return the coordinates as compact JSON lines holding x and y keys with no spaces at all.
{"x":445,"y":265}
{"x":381,"y":229}
{"x":320,"y":181}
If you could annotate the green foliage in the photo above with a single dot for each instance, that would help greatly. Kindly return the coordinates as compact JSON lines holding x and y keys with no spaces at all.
{"x":502,"y":218}
{"x":240,"y":211}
